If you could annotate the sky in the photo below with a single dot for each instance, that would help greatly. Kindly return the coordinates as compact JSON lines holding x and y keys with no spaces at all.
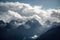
{"x":45,"y":3}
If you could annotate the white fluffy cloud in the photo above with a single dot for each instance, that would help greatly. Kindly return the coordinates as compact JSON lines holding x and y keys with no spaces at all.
{"x":14,"y":10}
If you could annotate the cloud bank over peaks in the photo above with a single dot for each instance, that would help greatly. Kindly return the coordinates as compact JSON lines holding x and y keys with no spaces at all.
{"x":17,"y":10}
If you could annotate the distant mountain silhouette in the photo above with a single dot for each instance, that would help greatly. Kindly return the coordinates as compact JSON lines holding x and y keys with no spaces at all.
{"x":2,"y":24}
{"x":13,"y":24}
{"x":33,"y":25}
{"x":26,"y":30}
{"x":8,"y":31}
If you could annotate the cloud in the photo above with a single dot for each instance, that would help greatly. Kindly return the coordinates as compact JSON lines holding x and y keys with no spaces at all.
{"x":16,"y":10}
{"x":15,"y":14}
